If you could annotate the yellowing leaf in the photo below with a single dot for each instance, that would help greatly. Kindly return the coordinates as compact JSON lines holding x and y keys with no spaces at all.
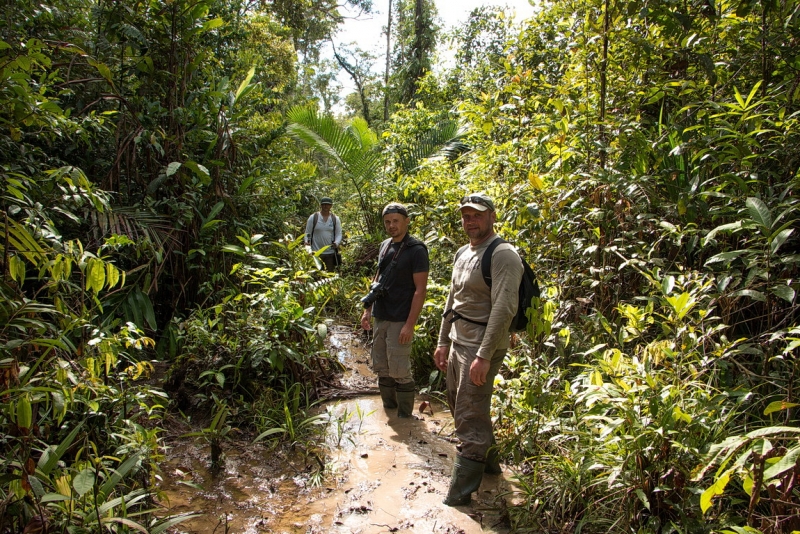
{"x":777,"y":406}
{"x":597,"y":378}
{"x":535,"y":180}
{"x":95,"y":275}
{"x":112,"y":275}
{"x":717,"y":488}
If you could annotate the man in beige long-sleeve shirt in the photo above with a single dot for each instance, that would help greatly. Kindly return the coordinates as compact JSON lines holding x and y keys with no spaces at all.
{"x":474,"y":338}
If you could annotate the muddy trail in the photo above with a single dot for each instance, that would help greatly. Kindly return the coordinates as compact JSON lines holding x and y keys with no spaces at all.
{"x":379,"y":473}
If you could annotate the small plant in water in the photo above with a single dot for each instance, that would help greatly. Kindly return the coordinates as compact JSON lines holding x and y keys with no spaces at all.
{"x":215,"y":433}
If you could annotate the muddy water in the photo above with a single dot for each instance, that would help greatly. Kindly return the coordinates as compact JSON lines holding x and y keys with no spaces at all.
{"x":382,"y":474}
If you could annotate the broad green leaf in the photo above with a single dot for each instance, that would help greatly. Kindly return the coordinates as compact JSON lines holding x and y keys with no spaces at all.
{"x":213,"y":23}
{"x":16,"y":268}
{"x":777,"y":406}
{"x":643,"y":498}
{"x":200,"y":171}
{"x":784,"y":292}
{"x":779,"y":239}
{"x":774,"y":431}
{"x":103,"y":69}
{"x":83,"y":482}
{"x":36,"y":486}
{"x":209,"y":225}
{"x":24,"y":412}
{"x":755,"y":295}
{"x":759,"y":212}
{"x":718,"y":488}
{"x":726,"y":257}
{"x":239,"y":251}
{"x":215,"y":210}
{"x":722,"y":228}
{"x":173,"y":167}
{"x":784,"y":464}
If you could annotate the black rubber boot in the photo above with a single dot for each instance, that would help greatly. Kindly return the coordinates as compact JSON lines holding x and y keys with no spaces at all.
{"x":466,"y":478}
{"x":387,"y":386}
{"x":493,"y":460}
{"x":405,"y":399}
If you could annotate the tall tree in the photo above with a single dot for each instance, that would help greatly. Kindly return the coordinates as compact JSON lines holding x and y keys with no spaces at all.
{"x":415,"y":44}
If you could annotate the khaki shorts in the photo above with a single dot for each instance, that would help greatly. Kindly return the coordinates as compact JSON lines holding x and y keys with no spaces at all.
{"x":471,"y":404}
{"x":389,"y":357}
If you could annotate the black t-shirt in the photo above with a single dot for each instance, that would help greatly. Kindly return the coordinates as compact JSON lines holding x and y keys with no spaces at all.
{"x":396,"y":305}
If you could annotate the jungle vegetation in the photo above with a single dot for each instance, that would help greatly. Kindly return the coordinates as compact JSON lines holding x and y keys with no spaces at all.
{"x":158,"y":161}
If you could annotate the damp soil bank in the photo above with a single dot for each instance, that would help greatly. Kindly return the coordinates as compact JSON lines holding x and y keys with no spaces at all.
{"x":378,"y":473}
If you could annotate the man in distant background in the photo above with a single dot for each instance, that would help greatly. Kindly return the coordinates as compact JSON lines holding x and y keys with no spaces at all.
{"x":324,"y":229}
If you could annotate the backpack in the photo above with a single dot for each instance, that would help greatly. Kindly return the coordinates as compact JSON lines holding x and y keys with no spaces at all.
{"x":528,"y":288}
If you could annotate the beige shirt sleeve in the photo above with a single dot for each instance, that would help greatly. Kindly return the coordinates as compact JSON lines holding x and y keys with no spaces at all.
{"x":507,"y":273}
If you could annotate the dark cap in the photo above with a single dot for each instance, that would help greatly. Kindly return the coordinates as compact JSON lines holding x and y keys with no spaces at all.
{"x":395,"y":207}
{"x":326,"y":200}
{"x":479,"y":201}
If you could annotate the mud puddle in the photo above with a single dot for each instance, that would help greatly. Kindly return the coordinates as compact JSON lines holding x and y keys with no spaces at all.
{"x":379,"y":474}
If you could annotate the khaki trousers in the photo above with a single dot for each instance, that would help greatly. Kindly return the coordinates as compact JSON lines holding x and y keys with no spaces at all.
{"x":471,"y":404}
{"x":389,"y":357}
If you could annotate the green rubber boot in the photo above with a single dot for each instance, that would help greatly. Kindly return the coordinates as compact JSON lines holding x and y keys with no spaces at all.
{"x":466,"y":478}
{"x":387,"y":387}
{"x":405,"y":399}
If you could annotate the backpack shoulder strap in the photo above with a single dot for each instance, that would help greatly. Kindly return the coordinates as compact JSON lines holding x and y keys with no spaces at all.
{"x":460,"y":251}
{"x":412,"y":241}
{"x":314,"y":224}
{"x":486,"y":261}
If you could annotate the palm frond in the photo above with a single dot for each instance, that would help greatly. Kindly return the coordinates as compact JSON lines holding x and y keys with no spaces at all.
{"x":444,"y":141}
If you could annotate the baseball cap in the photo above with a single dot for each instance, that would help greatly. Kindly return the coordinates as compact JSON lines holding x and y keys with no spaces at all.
{"x":478,"y":201}
{"x":395,"y":207}
{"x":326,"y":200}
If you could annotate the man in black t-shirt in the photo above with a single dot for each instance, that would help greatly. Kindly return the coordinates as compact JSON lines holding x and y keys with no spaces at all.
{"x":397,"y":310}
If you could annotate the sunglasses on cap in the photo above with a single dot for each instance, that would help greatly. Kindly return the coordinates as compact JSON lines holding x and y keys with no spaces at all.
{"x":395,"y":208}
{"x":477,"y":199}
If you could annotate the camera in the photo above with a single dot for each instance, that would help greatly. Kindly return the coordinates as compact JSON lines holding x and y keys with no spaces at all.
{"x":376,"y":291}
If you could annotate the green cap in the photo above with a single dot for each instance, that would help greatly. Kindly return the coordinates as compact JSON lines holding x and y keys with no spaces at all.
{"x":326,"y":200}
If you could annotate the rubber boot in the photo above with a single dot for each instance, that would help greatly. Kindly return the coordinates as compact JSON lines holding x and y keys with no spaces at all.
{"x":466,"y":478}
{"x":387,"y":386}
{"x":493,"y":460}
{"x":405,"y":399}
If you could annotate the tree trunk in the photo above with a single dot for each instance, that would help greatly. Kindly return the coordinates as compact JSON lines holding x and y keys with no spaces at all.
{"x":388,"y":63}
